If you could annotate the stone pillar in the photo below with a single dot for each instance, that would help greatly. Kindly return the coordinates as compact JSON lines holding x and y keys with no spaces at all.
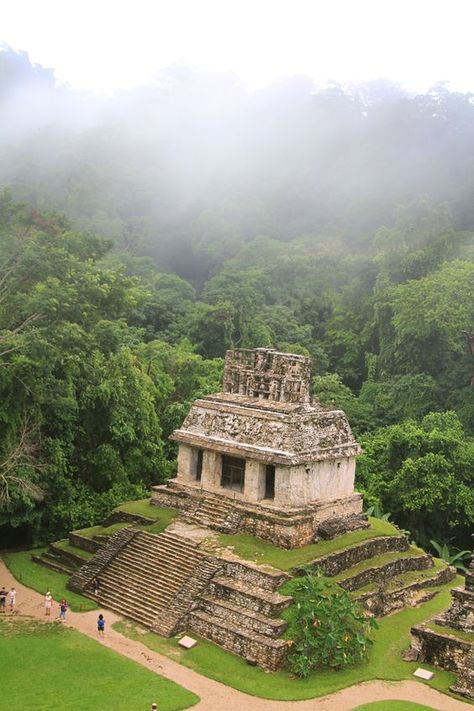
{"x":253,"y":481}
{"x":282,"y":485}
{"x":211,"y":470}
{"x":185,"y":463}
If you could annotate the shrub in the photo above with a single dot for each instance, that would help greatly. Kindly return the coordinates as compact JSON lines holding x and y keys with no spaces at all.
{"x":326,"y":628}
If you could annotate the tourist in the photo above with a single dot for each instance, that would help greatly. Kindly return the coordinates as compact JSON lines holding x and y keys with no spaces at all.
{"x":63,"y":610}
{"x":3,"y":597}
{"x":12,"y":596}
{"x":96,"y":586}
{"x":154,"y":707}
{"x":48,"y":603}
{"x":101,"y":625}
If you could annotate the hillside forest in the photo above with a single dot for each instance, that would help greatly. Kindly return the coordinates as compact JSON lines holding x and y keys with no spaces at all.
{"x":144,"y":233}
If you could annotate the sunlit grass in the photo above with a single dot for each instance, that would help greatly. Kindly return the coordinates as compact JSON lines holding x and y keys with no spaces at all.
{"x":384,"y":662}
{"x":42,"y":579}
{"x":48,"y":666}
{"x":258,"y":551}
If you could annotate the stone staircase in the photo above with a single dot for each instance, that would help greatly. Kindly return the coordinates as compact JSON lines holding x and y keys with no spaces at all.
{"x":211,"y":513}
{"x":240,"y":613}
{"x":155,"y":579}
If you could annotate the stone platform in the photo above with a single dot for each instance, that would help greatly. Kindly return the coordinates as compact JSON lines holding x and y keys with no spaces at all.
{"x":450,"y":645}
{"x":291,"y":528}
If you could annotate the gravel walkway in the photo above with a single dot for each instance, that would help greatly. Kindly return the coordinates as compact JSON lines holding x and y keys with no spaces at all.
{"x":215,"y":695}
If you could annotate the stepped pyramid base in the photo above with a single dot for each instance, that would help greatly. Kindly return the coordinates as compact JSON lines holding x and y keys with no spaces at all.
{"x":289,"y":528}
{"x":167,"y":584}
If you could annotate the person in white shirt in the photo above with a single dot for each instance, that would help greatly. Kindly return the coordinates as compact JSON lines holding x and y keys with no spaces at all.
{"x":12,"y":596}
{"x":48,"y":603}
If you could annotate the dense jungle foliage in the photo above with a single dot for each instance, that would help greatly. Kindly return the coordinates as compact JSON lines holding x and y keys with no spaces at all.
{"x":143,"y":235}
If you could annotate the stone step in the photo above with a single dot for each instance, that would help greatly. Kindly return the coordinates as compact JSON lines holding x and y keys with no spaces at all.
{"x":242,"y":617}
{"x":132,"y":600}
{"x":335,"y":563}
{"x":159,"y":564}
{"x":74,"y":559}
{"x":83,"y":542}
{"x":400,"y":594}
{"x":110,"y":592}
{"x":52,"y":564}
{"x":154,"y":579}
{"x":142,"y":580}
{"x":139,"y":615}
{"x":168,"y":553}
{"x":164,"y":542}
{"x":249,"y":596}
{"x":266,"y":652}
{"x":442,"y":649}
{"x":253,"y":574}
{"x":162,"y":555}
{"x":390,"y":565}
{"x":159,"y":545}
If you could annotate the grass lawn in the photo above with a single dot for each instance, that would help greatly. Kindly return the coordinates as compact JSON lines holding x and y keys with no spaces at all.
{"x":66,"y":546}
{"x":459,"y":634}
{"x":42,"y":579}
{"x":47,"y":666}
{"x":393,"y":706}
{"x":144,"y":508}
{"x":385,"y":661}
{"x":410,"y":576}
{"x":258,"y":551}
{"x":102,"y":530}
{"x":162,"y":516}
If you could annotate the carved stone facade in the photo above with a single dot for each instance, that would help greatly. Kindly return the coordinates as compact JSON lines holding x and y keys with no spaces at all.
{"x":261,"y":443}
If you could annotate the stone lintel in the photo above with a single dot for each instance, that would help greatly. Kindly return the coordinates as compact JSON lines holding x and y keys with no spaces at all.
{"x":264,"y":454}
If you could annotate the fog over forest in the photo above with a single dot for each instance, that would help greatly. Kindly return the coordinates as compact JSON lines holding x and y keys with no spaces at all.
{"x":144,"y":233}
{"x":190,"y":169}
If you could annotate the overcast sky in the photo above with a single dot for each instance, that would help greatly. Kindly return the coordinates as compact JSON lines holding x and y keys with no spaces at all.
{"x":104,"y":45}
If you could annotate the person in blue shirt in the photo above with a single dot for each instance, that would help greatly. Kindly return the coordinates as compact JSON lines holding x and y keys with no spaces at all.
{"x":101,"y":625}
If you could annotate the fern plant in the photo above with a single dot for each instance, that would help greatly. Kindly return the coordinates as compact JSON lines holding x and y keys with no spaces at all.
{"x":452,"y":556}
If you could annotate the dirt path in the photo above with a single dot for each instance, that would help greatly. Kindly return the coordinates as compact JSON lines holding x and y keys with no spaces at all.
{"x":215,"y":695}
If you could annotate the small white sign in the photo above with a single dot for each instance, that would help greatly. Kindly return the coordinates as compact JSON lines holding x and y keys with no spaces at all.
{"x":423,"y":673}
{"x":187,"y":642}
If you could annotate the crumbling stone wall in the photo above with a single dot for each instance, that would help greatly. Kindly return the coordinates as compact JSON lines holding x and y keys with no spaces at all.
{"x":441,"y":650}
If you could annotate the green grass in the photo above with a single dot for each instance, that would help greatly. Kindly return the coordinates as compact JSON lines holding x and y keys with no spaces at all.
{"x":42,"y":579}
{"x":393,"y":706}
{"x":258,"y":551}
{"x":48,"y":666}
{"x":101,"y":530}
{"x":144,"y":508}
{"x":377,"y":560}
{"x":403,"y":579}
{"x":66,"y":546}
{"x":385,"y":661}
{"x":162,"y":516}
{"x":459,"y":634}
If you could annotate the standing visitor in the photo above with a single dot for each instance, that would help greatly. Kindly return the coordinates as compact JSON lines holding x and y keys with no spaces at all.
{"x":48,"y":603}
{"x":12,"y":599}
{"x":101,"y":625}
{"x":63,"y":610}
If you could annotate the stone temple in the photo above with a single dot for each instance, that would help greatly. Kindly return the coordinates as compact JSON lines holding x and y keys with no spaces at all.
{"x":260,"y":457}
